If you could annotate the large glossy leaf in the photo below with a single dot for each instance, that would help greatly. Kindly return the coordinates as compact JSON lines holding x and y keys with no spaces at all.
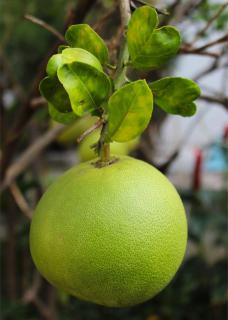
{"x":129,"y":111}
{"x":62,"y":117}
{"x":175,"y":95}
{"x":86,"y":86}
{"x":70,"y":55}
{"x":54,"y":93}
{"x":83,"y":36}
{"x":149,"y":48}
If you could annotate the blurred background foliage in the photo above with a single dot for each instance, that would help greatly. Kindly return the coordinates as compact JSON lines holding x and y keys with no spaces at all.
{"x":199,"y":290}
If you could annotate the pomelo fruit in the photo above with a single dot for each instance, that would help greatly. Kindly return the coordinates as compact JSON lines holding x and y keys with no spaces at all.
{"x":119,"y":148}
{"x":114,"y":235}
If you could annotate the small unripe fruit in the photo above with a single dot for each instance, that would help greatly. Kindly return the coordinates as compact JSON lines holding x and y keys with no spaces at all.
{"x":119,"y":148}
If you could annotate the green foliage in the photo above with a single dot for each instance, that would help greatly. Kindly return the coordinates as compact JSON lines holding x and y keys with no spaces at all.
{"x":77,"y":84}
{"x":53,"y":91}
{"x":176,"y":95}
{"x":131,"y":119}
{"x":199,"y":290}
{"x":149,"y":47}
{"x":71,"y":86}
{"x":86,"y":86}
{"x":69,"y":55}
{"x":83,"y":36}
{"x":53,"y":64}
{"x":62,"y":117}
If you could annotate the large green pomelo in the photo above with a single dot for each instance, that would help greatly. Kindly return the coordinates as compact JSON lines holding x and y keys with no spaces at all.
{"x":114,"y":235}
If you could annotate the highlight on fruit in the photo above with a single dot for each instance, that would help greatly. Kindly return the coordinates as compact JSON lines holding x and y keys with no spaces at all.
{"x":112,"y":230}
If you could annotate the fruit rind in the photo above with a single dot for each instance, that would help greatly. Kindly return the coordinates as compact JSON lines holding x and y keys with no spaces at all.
{"x":114,"y":235}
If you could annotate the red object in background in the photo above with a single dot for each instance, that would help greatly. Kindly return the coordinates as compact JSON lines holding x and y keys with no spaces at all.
{"x":197,"y":173}
{"x":225,"y":134}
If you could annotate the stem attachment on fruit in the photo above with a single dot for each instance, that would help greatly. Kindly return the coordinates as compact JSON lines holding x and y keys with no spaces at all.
{"x":105,"y":153}
{"x":104,"y":149}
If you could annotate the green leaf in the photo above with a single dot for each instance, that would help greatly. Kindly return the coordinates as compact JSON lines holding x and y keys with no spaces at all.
{"x":86,"y":86}
{"x":149,"y":48}
{"x":129,"y":111}
{"x":83,"y":36}
{"x":53,"y":91}
{"x":175,"y":95}
{"x":53,"y":64}
{"x":70,"y":55}
{"x":62,"y":117}
{"x":80,"y":55}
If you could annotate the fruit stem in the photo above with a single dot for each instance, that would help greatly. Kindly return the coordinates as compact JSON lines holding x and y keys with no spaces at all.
{"x":105,"y":152}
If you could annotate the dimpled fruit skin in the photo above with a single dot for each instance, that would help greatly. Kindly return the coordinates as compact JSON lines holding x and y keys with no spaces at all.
{"x":114,"y":235}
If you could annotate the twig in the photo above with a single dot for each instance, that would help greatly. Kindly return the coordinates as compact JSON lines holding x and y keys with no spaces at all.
{"x":42,"y":308}
{"x":31,"y":296}
{"x":182,"y":142}
{"x":13,"y":134}
{"x":183,"y":8}
{"x":212,"y":68}
{"x":97,"y":26}
{"x":97,"y":125}
{"x":212,"y":43}
{"x":125,"y":12}
{"x":37,"y":101}
{"x":185,"y":50}
{"x":20,"y":201}
{"x":32,"y":291}
{"x":210,"y":21}
{"x":171,"y":9}
{"x":114,"y":42}
{"x":160,"y":11}
{"x":45,"y":25}
{"x":29,"y":155}
{"x":220,"y":100}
